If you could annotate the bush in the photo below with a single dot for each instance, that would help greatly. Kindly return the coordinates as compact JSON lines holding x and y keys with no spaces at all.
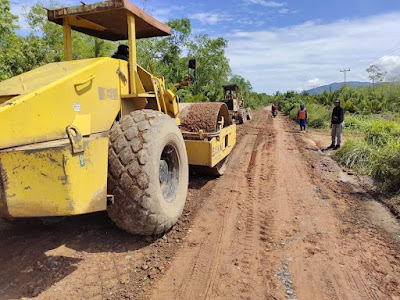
{"x":378,"y":154}
{"x":318,"y":115}
{"x":381,"y":131}
{"x":385,"y":165}
{"x":289,"y":107}
{"x":357,"y":123}
{"x":356,"y":153}
{"x":350,"y":106}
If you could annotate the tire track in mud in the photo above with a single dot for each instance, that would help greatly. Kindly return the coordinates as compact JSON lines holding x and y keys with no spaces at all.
{"x":244,"y":188}
{"x":244,"y":254}
{"x":266,"y":208}
{"x":248,"y":253}
{"x":201,"y":273}
{"x":260,"y":175}
{"x":231,"y":258}
{"x":299,"y":226}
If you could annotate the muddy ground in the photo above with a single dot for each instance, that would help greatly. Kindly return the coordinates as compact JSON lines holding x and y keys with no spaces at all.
{"x":284,"y":222}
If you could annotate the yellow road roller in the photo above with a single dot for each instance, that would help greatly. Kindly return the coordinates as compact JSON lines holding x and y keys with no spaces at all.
{"x":89,"y":135}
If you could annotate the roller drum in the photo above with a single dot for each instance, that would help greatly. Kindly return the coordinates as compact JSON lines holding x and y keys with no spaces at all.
{"x":203,"y":116}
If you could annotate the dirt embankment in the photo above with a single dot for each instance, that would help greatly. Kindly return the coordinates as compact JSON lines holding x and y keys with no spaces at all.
{"x":282,"y":223}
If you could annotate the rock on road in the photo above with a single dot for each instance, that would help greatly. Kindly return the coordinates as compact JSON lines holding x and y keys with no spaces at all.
{"x":277,"y":225}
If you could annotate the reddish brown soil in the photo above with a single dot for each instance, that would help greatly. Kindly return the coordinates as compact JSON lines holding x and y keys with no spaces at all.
{"x":201,"y":116}
{"x":282,"y":223}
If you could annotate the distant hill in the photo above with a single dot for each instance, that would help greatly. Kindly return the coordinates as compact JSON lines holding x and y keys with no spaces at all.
{"x":335,"y":86}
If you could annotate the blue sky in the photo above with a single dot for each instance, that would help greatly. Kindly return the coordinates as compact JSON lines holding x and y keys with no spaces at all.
{"x":290,"y":45}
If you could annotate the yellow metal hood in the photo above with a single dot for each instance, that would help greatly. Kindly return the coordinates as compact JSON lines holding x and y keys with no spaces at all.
{"x":37,"y":106}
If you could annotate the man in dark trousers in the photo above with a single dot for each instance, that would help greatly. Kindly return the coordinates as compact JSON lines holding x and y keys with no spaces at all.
{"x":337,"y":125}
{"x":122,"y":53}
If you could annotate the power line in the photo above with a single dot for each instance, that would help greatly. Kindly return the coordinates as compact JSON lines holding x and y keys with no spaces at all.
{"x":344,"y":73}
{"x":386,"y":52}
{"x":391,"y":51}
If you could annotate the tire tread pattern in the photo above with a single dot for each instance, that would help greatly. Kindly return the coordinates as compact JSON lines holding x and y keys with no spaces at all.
{"x":128,"y":180}
{"x":241,"y":116}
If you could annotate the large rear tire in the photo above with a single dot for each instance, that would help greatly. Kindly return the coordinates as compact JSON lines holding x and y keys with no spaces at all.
{"x":241,"y":116}
{"x":148,"y":173}
{"x":249,"y":114}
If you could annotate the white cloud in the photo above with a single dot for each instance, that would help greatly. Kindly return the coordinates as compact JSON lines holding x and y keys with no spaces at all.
{"x":251,"y":22}
{"x":286,"y":58}
{"x":164,"y":14}
{"x":389,"y":64}
{"x":266,"y":3}
{"x":312,"y":83}
{"x":210,"y":18}
{"x":283,"y":11}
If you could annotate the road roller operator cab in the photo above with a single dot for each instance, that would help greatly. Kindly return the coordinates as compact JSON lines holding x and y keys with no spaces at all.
{"x":89,"y":135}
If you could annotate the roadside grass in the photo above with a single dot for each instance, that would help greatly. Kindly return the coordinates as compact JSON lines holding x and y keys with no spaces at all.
{"x":376,"y":154}
{"x":356,"y":124}
{"x":373,"y":142}
{"x":356,"y":153}
{"x":385,"y":165}
{"x":381,"y":132}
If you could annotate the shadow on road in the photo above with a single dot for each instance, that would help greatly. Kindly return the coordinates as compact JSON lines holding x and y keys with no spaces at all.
{"x":27,"y":269}
{"x":34,"y":255}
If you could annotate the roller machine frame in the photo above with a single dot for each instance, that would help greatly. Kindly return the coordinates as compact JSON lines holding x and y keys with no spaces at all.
{"x":89,"y":135}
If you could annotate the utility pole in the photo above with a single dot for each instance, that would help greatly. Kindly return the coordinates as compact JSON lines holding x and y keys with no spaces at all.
{"x":344,"y":72}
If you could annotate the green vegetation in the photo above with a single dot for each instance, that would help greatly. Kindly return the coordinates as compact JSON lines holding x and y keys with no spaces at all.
{"x":43,"y":45}
{"x":356,"y":123}
{"x":377,"y":154}
{"x":356,"y":153}
{"x":372,"y":126}
{"x":289,"y":103}
{"x":161,"y":56}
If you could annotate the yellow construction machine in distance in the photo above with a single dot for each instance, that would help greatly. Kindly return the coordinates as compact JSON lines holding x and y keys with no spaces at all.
{"x":234,"y":100}
{"x":88,"y":135}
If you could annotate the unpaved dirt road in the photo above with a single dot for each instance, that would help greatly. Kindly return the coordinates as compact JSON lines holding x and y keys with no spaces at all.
{"x":282,"y":223}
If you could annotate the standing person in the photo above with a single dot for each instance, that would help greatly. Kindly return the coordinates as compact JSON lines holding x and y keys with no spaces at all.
{"x":302,"y":117}
{"x":337,"y":125}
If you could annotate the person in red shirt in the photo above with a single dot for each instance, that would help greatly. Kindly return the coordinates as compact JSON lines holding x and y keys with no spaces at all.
{"x":274,"y":110}
{"x":302,"y":117}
